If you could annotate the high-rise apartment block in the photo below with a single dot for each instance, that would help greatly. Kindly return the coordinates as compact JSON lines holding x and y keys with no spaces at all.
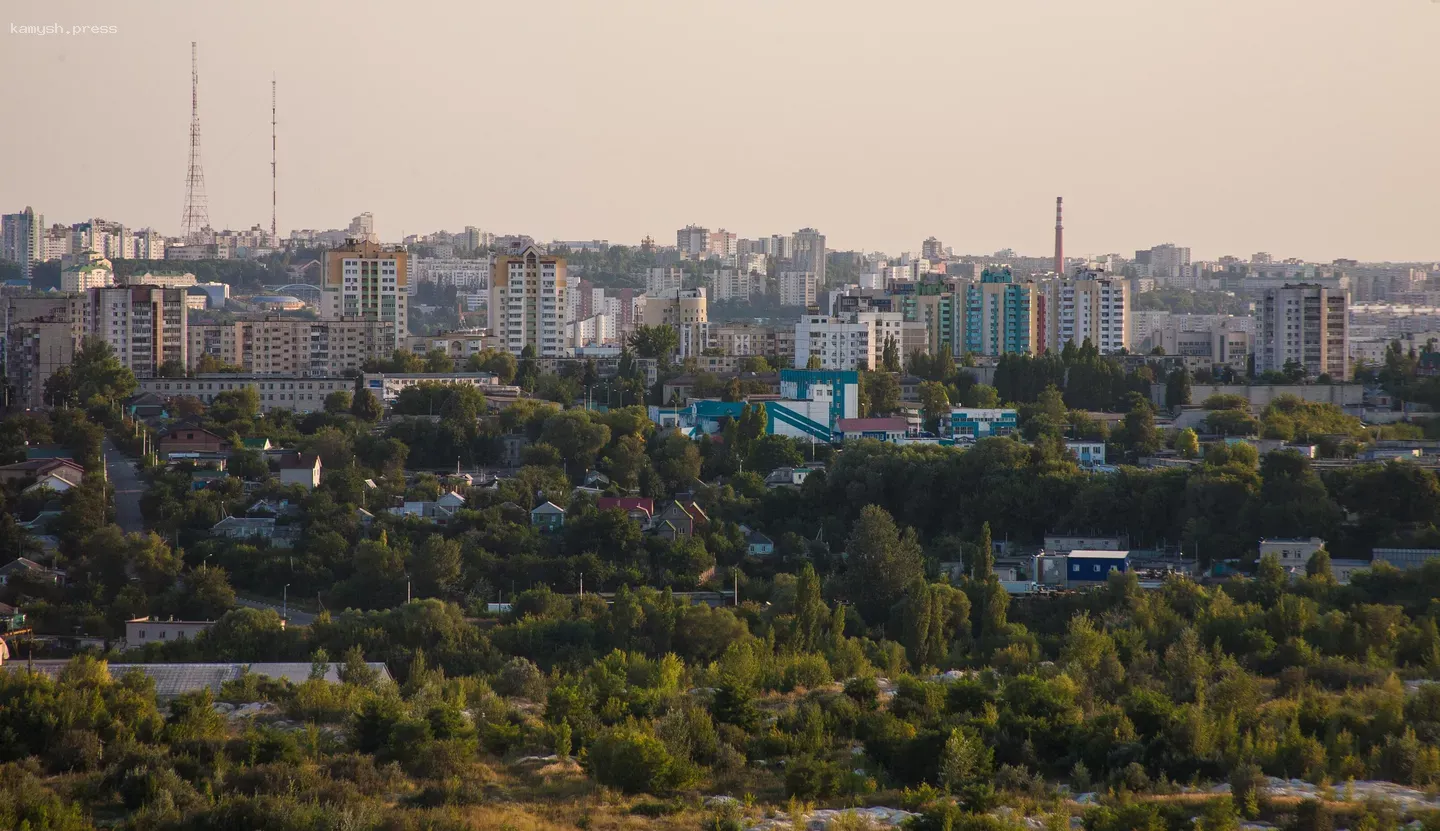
{"x":797,"y":288}
{"x":932,"y":249}
{"x":528,"y":303}
{"x":1306,"y":325}
{"x":145,"y":325}
{"x":22,"y":240}
{"x":847,"y":342}
{"x":658,"y":280}
{"x":693,"y":241}
{"x":289,"y":346}
{"x":722,"y":244}
{"x":42,"y":334}
{"x":363,"y":280}
{"x":1000,"y":315}
{"x":728,"y":284}
{"x":1089,"y":305}
{"x":809,"y":254}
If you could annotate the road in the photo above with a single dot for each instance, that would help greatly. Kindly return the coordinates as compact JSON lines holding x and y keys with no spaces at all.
{"x":127,"y":489}
{"x":297,"y":617}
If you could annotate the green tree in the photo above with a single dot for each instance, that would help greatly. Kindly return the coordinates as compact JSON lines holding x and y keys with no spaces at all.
{"x":338,"y":402}
{"x":438,"y":360}
{"x":883,"y":391}
{"x":881,"y":562}
{"x":810,"y":610}
{"x":982,"y":567}
{"x":982,"y":396}
{"x":890,"y":357}
{"x":656,"y":342}
{"x":934,"y":403}
{"x":1177,"y":388}
{"x":503,"y":364}
{"x":771,"y":451}
{"x":1318,"y":567}
{"x":578,"y":438}
{"x":366,"y":406}
{"x":96,"y":372}
{"x":814,"y":362}
{"x":965,"y":760}
{"x":1187,"y":443}
{"x":436,"y":567}
{"x":632,"y":761}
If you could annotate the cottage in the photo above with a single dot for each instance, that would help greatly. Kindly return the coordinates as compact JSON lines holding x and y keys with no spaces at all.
{"x":189,"y":440}
{"x":252,"y":527}
{"x":639,"y":508}
{"x":59,"y":479}
{"x":679,"y":519}
{"x":40,"y":468}
{"x":29,"y":569}
{"x":759,"y":545}
{"x":301,"y":469}
{"x":548,"y":517}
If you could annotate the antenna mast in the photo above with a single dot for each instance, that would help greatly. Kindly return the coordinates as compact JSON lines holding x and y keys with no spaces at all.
{"x":274,"y":233}
{"x":197,"y":216}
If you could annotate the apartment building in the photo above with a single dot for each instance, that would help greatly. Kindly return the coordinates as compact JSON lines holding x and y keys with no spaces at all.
{"x":1000,"y":316}
{"x":41,"y":336}
{"x":22,"y":240}
{"x":528,"y":303}
{"x":797,"y":288}
{"x":1307,"y":324}
{"x":728,"y":285}
{"x":659,"y":280}
{"x":298,"y":395}
{"x":299,"y":348}
{"x":1088,"y":305}
{"x":687,"y":311}
{"x":693,"y":241}
{"x":362,"y":279}
{"x":847,"y":342}
{"x":145,"y":325}
{"x":90,"y":271}
{"x":450,"y":271}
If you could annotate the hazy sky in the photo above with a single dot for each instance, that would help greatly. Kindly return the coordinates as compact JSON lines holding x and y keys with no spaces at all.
{"x":1302,"y":127}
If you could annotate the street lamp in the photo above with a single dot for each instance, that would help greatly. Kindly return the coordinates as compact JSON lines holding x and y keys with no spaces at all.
{"x":285,"y":602}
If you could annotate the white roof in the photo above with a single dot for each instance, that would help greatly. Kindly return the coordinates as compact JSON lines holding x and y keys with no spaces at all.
{"x":1100,"y":555}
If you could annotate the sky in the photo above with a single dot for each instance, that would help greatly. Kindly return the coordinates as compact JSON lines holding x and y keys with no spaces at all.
{"x":1304,"y":128}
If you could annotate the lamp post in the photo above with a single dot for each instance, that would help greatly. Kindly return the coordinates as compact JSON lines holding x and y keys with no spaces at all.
{"x":285,"y":602}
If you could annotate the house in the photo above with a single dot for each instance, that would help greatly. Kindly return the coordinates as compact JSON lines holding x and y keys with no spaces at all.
{"x":547,"y":517}
{"x":439,"y":511}
{"x":596,"y":479}
{"x":1087,"y":453}
{"x":260,"y":445}
{"x":1064,"y":543}
{"x":11,"y":618}
{"x":251,"y":527}
{"x":364,"y":517}
{"x":301,"y":469}
{"x":678,"y":519}
{"x":788,"y":477}
{"x":1291,"y":552}
{"x":641,"y":509}
{"x":271,"y":507}
{"x":146,"y":406}
{"x":60,"y":479}
{"x":143,"y":630}
{"x":191,"y":440}
{"x":30,"y":570}
{"x":39,"y":468}
{"x":882,"y":429}
{"x":1091,"y":567}
{"x":1344,"y":570}
{"x":759,"y":545}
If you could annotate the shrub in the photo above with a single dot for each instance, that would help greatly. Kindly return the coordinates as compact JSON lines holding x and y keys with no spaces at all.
{"x":632,"y":761}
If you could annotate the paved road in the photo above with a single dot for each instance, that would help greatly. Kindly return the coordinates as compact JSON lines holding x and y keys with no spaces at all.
{"x":297,"y":617}
{"x":127,"y":490}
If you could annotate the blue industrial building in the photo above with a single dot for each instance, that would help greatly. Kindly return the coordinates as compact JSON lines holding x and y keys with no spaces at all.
{"x":1082,"y":567}
{"x":980,"y":424}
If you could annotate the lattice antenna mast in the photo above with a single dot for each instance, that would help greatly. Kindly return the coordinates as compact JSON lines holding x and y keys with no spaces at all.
{"x":274,"y":228}
{"x":197,"y":215}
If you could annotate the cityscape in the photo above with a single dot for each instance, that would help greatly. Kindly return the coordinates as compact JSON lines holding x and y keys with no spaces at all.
{"x":386,"y":526}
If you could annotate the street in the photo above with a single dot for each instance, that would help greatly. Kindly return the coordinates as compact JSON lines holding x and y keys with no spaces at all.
{"x":127,"y":489}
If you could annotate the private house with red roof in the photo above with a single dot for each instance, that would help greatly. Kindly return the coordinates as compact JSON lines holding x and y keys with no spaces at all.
{"x":641,"y":509}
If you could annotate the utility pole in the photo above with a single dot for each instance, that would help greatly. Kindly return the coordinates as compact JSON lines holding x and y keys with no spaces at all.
{"x":285,"y":603}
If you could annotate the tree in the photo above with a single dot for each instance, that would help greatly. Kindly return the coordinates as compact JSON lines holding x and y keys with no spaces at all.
{"x":890,"y":358}
{"x":203,"y":594}
{"x":965,"y":759}
{"x":95,"y":372}
{"x":438,"y":360}
{"x":366,"y":407}
{"x":235,"y":405}
{"x":1139,"y":434}
{"x":982,"y":396}
{"x":814,"y":362}
{"x":338,"y":402}
{"x":576,"y":436}
{"x":881,"y":562}
{"x":1187,"y":443}
{"x":810,"y":610}
{"x":655,"y":342}
{"x":503,"y":364}
{"x":436,"y":566}
{"x":632,"y":761}
{"x":771,"y":451}
{"x":883,"y":391}
{"x":1177,"y":388}
{"x":982,"y":567}
{"x":756,"y":364}
{"x":934,"y":403}
{"x":172,"y":368}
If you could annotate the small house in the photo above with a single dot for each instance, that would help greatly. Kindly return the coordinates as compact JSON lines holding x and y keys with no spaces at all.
{"x":1291,"y":552}
{"x":189,"y":440}
{"x":143,"y":630}
{"x":678,"y":519}
{"x":547,"y":517}
{"x":39,"y":468}
{"x":59,"y":479}
{"x":759,"y":545}
{"x":31,"y":570}
{"x":639,"y":508}
{"x":301,"y":469}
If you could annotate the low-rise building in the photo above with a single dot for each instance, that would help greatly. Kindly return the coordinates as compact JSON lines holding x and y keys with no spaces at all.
{"x":143,"y":630}
{"x":1291,"y":552}
{"x":297,"y":395}
{"x":189,"y":440}
{"x":976,"y":423}
{"x":547,"y":517}
{"x":1090,"y":567}
{"x":881,"y":429}
{"x":301,"y":469}
{"x":1065,"y":543}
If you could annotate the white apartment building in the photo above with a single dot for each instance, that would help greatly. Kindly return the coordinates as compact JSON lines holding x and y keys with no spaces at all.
{"x":797,"y":288}
{"x":847,"y":342}
{"x":146,"y":326}
{"x":147,"y":244}
{"x":1088,"y":305}
{"x":728,"y":285}
{"x":294,"y":347}
{"x":529,"y":302}
{"x":1307,"y":324}
{"x":659,"y":280}
{"x":462,"y":274}
{"x":595,"y":330}
{"x":364,"y":280}
{"x":90,"y":271}
{"x":164,"y":281}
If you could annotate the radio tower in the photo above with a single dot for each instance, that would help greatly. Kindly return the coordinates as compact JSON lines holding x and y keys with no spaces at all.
{"x":197,"y":216}
{"x":274,"y":234}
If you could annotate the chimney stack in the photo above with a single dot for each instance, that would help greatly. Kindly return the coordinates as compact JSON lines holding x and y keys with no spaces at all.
{"x":1059,"y":237}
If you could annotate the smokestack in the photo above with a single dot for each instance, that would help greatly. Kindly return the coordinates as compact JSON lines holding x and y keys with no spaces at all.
{"x":1059,"y":237}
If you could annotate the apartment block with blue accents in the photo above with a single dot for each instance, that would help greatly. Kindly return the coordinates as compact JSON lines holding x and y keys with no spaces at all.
{"x":978,"y":423}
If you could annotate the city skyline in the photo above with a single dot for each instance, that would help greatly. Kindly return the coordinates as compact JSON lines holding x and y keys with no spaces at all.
{"x":1189,"y":150}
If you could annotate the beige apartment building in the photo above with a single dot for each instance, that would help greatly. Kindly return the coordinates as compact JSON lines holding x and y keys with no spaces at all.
{"x":41,"y":336}
{"x":298,"y":395}
{"x":528,"y":303}
{"x":362,"y":279}
{"x":287,"y":346}
{"x":145,"y":325}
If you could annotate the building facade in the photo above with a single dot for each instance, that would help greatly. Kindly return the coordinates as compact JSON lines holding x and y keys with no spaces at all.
{"x":41,"y":336}
{"x":847,"y":342}
{"x":299,"y":348}
{"x":362,"y":279}
{"x":687,"y":311}
{"x":90,"y":271}
{"x":1088,"y":305}
{"x":145,"y":325}
{"x":22,"y":240}
{"x":298,"y":395}
{"x":1304,"y":325}
{"x":1000,"y":316}
{"x":528,"y":303}
{"x":797,"y":288}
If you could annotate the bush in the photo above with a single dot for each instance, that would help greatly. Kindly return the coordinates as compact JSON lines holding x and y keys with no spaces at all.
{"x":632,"y":761}
{"x":864,"y":691}
{"x":806,"y":671}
